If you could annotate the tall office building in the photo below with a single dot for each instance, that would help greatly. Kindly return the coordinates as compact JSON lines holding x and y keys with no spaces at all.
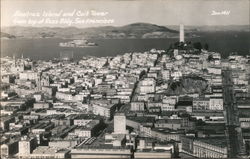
{"x":26,"y":146}
{"x":181,"y":33}
{"x":120,"y":123}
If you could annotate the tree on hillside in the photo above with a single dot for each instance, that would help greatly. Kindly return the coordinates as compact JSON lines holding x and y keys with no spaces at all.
{"x":197,"y":45}
{"x":206,"y":46}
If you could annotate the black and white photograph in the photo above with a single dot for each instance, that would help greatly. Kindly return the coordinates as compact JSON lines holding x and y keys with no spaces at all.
{"x":134,"y":79}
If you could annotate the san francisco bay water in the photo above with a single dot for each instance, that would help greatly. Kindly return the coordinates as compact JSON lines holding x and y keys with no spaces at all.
{"x":48,"y":48}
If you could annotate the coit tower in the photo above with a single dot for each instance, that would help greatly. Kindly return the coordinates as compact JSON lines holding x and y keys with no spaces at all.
{"x":181,"y":33}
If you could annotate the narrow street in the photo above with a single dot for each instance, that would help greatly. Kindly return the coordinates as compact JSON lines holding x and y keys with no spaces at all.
{"x":236,"y":147}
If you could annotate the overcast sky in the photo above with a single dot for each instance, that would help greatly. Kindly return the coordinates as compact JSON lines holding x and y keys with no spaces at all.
{"x":160,"y":12}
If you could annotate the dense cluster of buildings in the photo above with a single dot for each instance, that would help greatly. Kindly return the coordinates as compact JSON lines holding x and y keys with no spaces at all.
{"x":154,"y":104}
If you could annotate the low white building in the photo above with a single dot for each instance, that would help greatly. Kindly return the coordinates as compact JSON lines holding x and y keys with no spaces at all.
{"x":216,"y":104}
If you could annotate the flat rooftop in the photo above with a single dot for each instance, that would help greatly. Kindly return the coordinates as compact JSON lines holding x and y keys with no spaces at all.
{"x":142,"y":119}
{"x":216,"y":141}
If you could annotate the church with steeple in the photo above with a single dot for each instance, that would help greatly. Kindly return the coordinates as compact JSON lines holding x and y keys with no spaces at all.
{"x":17,"y":65}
